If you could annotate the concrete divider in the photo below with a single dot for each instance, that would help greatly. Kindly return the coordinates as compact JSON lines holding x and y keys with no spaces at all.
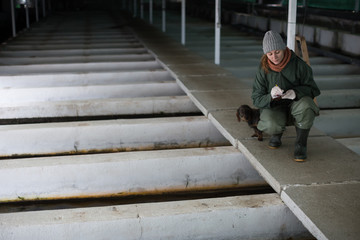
{"x":339,"y":123}
{"x":84,"y":79}
{"x":351,"y":143}
{"x":72,"y":46}
{"x":75,"y":31}
{"x":210,"y":219}
{"x":333,"y":69}
{"x":72,"y":52}
{"x":78,"y":67}
{"x":343,"y":98}
{"x":336,"y":82}
{"x":76,"y":59}
{"x":80,"y":40}
{"x":71,"y":32}
{"x":72,"y":93}
{"x":110,"y":135}
{"x":100,"y":107}
{"x":127,"y":173}
{"x":318,"y":60}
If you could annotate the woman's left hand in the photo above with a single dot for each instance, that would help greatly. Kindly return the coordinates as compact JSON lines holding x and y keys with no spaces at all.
{"x":289,"y":94}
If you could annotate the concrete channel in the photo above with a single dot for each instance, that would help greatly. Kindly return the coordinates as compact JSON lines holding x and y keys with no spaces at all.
{"x":79,"y":71}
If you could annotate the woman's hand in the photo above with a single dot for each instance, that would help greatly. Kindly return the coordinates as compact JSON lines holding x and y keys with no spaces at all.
{"x":281,"y":99}
{"x":276,"y":92}
{"x":289,"y":94}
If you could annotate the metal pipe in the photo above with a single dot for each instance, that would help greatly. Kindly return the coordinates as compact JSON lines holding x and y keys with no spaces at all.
{"x":217,"y":30}
{"x":13,"y":18}
{"x":183,"y":14}
{"x":164,"y":15}
{"x":36,"y":10}
{"x":135,"y":8}
{"x":27,"y":16}
{"x":142,"y":9}
{"x":151,"y":11}
{"x":43,"y":7}
{"x":291,"y":31}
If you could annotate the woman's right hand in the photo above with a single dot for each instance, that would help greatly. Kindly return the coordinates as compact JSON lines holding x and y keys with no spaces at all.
{"x":276,"y":92}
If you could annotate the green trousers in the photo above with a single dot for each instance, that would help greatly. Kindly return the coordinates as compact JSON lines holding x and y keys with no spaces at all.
{"x":300,"y":113}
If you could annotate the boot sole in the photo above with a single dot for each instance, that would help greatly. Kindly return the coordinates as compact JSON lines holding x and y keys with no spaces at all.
{"x":299,"y":160}
{"x":271,"y":147}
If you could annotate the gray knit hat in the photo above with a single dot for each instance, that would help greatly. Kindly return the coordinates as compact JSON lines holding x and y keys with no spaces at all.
{"x":272,"y":41}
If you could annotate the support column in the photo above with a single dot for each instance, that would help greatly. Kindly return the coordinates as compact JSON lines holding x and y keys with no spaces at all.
{"x":291,"y":29}
{"x":44,"y":8}
{"x":142,"y":9}
{"x":217,"y":30}
{"x":151,"y":11}
{"x":36,"y":10}
{"x":27,"y":15}
{"x":13,"y":18}
{"x":164,"y":15}
{"x":135,"y":8}
{"x":183,"y":15}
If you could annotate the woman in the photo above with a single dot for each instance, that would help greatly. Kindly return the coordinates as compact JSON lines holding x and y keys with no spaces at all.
{"x":284,"y":90}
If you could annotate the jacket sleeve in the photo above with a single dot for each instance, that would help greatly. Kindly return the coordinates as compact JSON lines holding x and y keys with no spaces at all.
{"x":307,"y":86}
{"x":261,"y":94}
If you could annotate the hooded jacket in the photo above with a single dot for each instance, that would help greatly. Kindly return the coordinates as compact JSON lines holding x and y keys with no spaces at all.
{"x":296,"y":75}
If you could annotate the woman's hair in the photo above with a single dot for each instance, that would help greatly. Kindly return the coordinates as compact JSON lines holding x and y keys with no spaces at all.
{"x":264,"y":63}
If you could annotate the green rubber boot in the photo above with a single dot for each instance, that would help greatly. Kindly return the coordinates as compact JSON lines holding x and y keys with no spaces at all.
{"x":301,"y":144}
{"x":275,"y":141}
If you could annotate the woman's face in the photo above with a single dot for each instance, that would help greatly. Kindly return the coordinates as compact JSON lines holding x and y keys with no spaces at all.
{"x":276,"y":56}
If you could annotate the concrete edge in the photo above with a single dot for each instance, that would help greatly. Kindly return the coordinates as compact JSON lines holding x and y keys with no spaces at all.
{"x":257,"y":165}
{"x":302,"y":217}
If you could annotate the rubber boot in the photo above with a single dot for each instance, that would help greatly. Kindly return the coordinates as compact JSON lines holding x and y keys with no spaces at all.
{"x":300,"y":144}
{"x":275,"y":141}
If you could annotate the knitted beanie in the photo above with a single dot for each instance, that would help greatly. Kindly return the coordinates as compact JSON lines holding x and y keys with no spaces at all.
{"x":272,"y":41}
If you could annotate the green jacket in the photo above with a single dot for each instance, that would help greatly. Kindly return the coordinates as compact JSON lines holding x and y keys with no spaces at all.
{"x":296,"y":75}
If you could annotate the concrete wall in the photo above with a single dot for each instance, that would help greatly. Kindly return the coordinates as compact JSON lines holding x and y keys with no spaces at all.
{"x":324,"y":37}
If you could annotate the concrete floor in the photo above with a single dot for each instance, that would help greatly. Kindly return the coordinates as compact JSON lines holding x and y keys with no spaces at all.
{"x":322,"y":192}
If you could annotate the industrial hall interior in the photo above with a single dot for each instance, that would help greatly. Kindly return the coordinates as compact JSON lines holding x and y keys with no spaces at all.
{"x":181,"y":120}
